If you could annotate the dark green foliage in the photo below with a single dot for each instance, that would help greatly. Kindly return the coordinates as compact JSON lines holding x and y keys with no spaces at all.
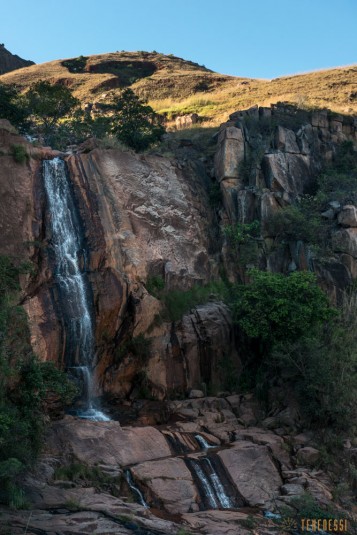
{"x":83,"y":474}
{"x":275,"y":307}
{"x":12,"y":106}
{"x":155,"y":285}
{"x":321,"y":365}
{"x":138,"y":346}
{"x":244,"y":239}
{"x":19,"y":153}
{"x":48,"y":103}
{"x":76,"y":64}
{"x":134,"y":123}
{"x":242,"y":232}
{"x":178,"y":302}
{"x":24,"y":384}
{"x":215,"y":195}
{"x":301,"y":222}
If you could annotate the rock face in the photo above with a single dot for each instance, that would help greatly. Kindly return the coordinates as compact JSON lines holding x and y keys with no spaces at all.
{"x":143,"y":217}
{"x":10,"y":62}
{"x":265,"y":160}
{"x":253,"y":472}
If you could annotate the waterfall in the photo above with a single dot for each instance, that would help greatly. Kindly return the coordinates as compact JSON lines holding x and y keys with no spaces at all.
{"x":203,"y":442}
{"x":212,"y":483}
{"x":136,"y":491}
{"x":208,"y":494}
{"x":74,"y":291}
{"x":224,"y":500}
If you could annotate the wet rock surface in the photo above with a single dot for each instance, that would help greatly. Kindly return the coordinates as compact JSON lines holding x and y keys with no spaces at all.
{"x":252,"y":464}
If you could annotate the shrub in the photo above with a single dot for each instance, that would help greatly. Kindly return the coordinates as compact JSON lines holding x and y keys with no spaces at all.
{"x":291,"y":224}
{"x":11,"y":105}
{"x":24,"y":383}
{"x":321,"y":366}
{"x":275,"y":307}
{"x":134,"y":123}
{"x":243,"y":239}
{"x":155,"y":285}
{"x":76,"y":64}
{"x":19,"y":153}
{"x":178,"y":302}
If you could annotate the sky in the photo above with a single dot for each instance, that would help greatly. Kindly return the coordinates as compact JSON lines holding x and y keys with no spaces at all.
{"x":253,"y":38}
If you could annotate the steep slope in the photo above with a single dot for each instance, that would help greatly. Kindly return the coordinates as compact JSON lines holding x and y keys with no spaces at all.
{"x":10,"y":62}
{"x":174,"y":86}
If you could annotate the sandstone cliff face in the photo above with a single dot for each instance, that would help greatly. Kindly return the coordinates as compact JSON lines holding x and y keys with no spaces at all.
{"x":146,"y":216}
{"x":143,"y":216}
{"x":11,"y":62}
{"x":267,"y":158}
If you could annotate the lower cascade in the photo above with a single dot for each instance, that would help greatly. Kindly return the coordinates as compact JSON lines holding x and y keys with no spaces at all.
{"x":137,"y":492}
{"x":73,"y":287}
{"x":211,"y":488}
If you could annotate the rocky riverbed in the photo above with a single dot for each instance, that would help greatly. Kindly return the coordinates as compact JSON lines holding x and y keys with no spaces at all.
{"x":80,"y":483}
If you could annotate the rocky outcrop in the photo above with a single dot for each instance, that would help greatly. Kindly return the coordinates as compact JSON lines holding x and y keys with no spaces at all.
{"x":265,"y":160}
{"x":259,"y":469}
{"x":11,"y":62}
{"x":143,"y":217}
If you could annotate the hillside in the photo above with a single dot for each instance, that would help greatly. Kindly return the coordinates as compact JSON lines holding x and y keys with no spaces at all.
{"x":10,"y":62}
{"x":174,"y":86}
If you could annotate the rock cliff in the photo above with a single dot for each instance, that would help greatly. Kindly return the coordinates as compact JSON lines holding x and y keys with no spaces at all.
{"x":10,"y":62}
{"x":149,"y":217}
{"x":269,"y":158}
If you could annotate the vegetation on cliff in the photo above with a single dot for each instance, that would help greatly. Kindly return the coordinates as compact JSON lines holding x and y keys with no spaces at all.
{"x":50,"y":111}
{"x":25,"y":384}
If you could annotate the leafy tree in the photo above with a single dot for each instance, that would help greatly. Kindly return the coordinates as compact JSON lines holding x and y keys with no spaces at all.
{"x":134,"y":123}
{"x":48,"y":103}
{"x":321,"y":367}
{"x":275,"y":307}
{"x":12,"y":106}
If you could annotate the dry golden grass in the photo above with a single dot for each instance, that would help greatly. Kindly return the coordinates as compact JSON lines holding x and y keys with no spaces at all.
{"x":178,"y":86}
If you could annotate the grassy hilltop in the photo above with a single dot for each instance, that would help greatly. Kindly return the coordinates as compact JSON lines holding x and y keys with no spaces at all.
{"x":174,"y":86}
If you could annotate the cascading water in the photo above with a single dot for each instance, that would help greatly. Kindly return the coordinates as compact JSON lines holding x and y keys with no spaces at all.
{"x":74,"y":291}
{"x":136,"y":491}
{"x":210,"y":485}
{"x":203,"y":443}
{"x":224,"y":500}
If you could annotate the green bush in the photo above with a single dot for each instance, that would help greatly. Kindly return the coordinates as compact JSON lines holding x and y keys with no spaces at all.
{"x":155,"y":285}
{"x":12,"y":106}
{"x":24,"y":384}
{"x":48,"y":103}
{"x":275,"y":307}
{"x":76,"y":64}
{"x":19,"y":153}
{"x":178,"y":302}
{"x":134,"y":123}
{"x":321,"y":367}
{"x":295,"y":223}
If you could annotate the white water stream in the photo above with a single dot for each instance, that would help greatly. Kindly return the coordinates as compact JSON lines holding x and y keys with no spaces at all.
{"x":66,"y":242}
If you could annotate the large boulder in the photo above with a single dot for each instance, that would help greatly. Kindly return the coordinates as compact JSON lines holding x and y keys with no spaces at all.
{"x":168,"y":482}
{"x":348,"y":216}
{"x":107,"y":442}
{"x":253,"y":472}
{"x":230,"y":153}
{"x":287,"y":172}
